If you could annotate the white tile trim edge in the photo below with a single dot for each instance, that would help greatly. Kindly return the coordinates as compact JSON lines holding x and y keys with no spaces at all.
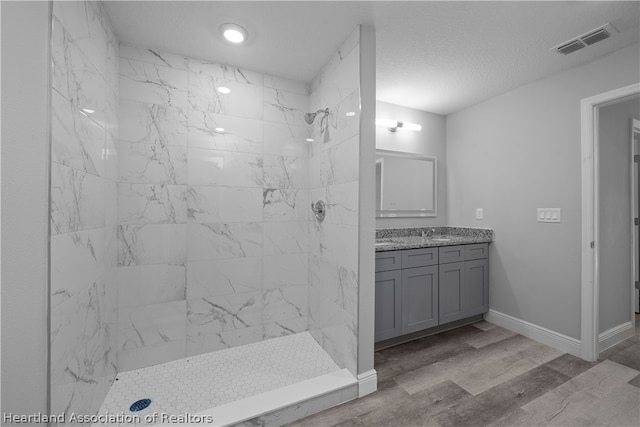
{"x":538,"y":333}
{"x":367,"y":382}
{"x":615,"y":335}
{"x":264,"y":403}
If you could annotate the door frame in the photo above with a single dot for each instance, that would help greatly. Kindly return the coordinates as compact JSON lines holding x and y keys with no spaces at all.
{"x":589,"y":112}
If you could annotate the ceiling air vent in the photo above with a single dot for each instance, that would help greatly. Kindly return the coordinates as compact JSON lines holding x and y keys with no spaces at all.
{"x":586,"y":39}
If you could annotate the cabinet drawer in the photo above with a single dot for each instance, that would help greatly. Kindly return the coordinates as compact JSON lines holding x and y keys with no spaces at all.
{"x":386,"y":261}
{"x":419,"y":257}
{"x":477,"y":251}
{"x":448,"y":254}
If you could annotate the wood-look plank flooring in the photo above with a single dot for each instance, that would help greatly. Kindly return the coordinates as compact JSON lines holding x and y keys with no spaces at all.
{"x":484,"y":375}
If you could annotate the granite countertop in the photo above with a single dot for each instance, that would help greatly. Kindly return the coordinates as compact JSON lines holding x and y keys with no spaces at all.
{"x":394,"y":239}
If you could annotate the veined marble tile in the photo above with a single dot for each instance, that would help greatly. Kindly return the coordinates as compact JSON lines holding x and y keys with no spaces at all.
{"x":150,"y":325}
{"x":110,"y":156}
{"x":77,"y":200}
{"x":148,"y":203}
{"x":337,"y":243}
{"x":75,"y":332}
{"x":287,"y":302}
{"x":212,"y":342}
{"x":208,"y":279}
{"x":285,"y":204}
{"x":224,"y":72}
{"x":285,"y":270}
{"x":240,"y":134}
{"x":150,"y":284}
{"x":286,"y":237}
{"x":244,"y":100}
{"x":219,"y":240}
{"x":75,"y":77}
{"x":76,"y":140}
{"x":285,"y":327}
{"x":152,"y":244}
{"x":336,"y":165}
{"x":324,"y":313}
{"x":348,"y":125}
{"x":89,"y":28}
{"x":285,"y":107}
{"x":153,"y":56}
{"x":286,"y":172}
{"x":288,"y":85}
{"x":340,"y":83}
{"x":77,"y":262}
{"x":208,"y":316}
{"x":224,"y":168}
{"x":214,"y":204}
{"x":153,"y":84}
{"x":344,"y":51}
{"x":341,"y":201}
{"x":283,"y":139}
{"x":336,"y":282}
{"x":152,"y":123}
{"x":152,"y":355}
{"x":152,"y":164}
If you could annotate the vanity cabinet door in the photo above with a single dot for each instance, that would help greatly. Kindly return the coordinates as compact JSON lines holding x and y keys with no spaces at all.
{"x":419,"y":298}
{"x":388,"y":305}
{"x":477,"y":287}
{"x":452,"y":292}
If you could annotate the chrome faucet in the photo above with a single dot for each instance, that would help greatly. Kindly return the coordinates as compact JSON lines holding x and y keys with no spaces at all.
{"x":429,"y":233}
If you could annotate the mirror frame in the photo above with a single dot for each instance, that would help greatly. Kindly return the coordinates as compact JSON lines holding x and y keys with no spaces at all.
{"x":408,"y":213}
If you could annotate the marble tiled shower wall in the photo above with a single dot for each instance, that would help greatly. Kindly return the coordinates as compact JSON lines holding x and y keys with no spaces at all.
{"x":334,"y":178}
{"x":213,"y":225}
{"x":83,"y":207}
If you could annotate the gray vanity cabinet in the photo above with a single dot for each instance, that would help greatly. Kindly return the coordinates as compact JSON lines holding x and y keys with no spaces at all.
{"x":406,"y":292}
{"x":419,"y":298}
{"x":388,"y":305}
{"x":418,"y":289}
{"x":464,"y":285}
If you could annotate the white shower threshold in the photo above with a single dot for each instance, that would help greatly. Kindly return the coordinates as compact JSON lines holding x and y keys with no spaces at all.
{"x":277,"y":380}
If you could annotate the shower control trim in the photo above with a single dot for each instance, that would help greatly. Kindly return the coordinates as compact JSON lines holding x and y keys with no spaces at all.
{"x":319,"y":209}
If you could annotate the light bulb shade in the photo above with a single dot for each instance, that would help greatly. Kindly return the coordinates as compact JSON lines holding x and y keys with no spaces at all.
{"x":411,"y":126}
{"x":387,"y":123}
{"x":233,"y":33}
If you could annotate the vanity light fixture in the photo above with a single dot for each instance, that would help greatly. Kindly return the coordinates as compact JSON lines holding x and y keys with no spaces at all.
{"x":394,"y":125}
{"x":233,"y":33}
{"x":224,"y":89}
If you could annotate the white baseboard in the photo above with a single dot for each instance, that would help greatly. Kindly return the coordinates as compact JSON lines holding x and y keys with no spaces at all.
{"x":538,"y":333}
{"x":367,"y":382}
{"x":616,"y":335}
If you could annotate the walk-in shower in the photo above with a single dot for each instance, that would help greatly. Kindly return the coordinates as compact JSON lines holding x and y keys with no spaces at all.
{"x":188,"y":273}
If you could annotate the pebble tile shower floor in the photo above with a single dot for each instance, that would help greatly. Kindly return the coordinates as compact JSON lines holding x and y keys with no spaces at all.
{"x":208,"y":380}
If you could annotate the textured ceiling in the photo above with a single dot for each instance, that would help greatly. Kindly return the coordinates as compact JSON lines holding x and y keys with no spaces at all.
{"x":433,"y":56}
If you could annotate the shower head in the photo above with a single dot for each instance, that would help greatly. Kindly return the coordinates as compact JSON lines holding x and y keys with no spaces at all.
{"x":310,"y":117}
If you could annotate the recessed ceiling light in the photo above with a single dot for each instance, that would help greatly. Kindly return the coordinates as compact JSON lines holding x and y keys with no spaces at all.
{"x":223,"y":89}
{"x":233,"y":33}
{"x":219,"y":129}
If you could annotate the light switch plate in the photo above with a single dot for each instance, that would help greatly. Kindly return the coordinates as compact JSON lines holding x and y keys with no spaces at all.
{"x":549,"y":215}
{"x":479,"y":213}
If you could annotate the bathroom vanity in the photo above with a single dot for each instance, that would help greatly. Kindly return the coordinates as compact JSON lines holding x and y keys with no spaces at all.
{"x":429,"y":278}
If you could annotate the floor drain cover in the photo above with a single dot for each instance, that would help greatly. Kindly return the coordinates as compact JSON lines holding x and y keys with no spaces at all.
{"x":140,"y":405}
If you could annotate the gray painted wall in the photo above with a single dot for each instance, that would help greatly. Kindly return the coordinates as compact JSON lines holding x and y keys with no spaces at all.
{"x":614,"y":238}
{"x":520,"y":151}
{"x":430,"y":141}
{"x":25,"y":205}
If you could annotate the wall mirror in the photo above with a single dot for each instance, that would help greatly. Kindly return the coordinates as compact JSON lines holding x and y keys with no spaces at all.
{"x":405,"y":185}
